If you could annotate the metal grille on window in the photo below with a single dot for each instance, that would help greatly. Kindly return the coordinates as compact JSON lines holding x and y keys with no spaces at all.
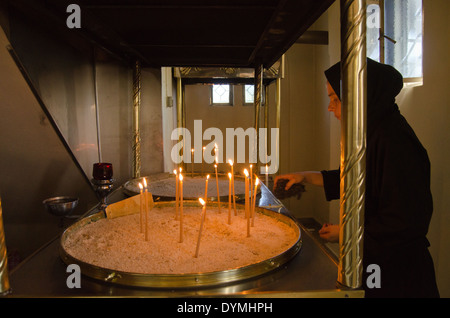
{"x":394,"y":35}
{"x":221,"y":94}
{"x":249,"y":95}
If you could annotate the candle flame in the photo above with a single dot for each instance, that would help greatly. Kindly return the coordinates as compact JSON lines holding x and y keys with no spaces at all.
{"x":140,"y":185}
{"x":145,"y":183}
{"x":202,"y":202}
{"x":207,"y":177}
{"x":181,"y":169}
{"x":181,"y":177}
{"x":230,"y":162}
{"x":246,"y":172}
{"x":267,"y":168}
{"x":215,"y":166}
{"x":192,"y":150}
{"x":251,"y":166}
{"x":204,"y":148}
{"x":175,"y":171}
{"x":256,"y":181}
{"x":229,"y":175}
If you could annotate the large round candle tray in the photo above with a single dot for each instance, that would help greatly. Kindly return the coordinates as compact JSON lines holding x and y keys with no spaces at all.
{"x":189,"y":280}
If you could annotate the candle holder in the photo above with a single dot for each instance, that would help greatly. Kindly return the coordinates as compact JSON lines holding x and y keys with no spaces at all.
{"x":103,"y":182}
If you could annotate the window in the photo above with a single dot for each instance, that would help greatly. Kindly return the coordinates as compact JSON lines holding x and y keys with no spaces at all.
{"x":249,"y":95}
{"x":394,"y":35}
{"x":221,"y":94}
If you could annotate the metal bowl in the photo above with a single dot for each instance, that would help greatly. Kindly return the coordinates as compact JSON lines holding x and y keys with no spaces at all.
{"x":60,"y":206}
{"x":189,"y":280}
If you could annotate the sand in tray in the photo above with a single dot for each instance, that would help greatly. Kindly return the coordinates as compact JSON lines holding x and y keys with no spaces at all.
{"x":117,"y":243}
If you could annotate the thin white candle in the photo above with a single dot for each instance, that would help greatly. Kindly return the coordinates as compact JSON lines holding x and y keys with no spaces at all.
{"x":192,"y":162}
{"x":203,"y":203}
{"x":232,"y":186}
{"x":267,"y":176}
{"x":181,"y":207}
{"x":254,"y":201}
{"x":141,"y":212}
{"x":146,"y":209}
{"x":247,"y":212}
{"x":203,"y":156}
{"x":251,"y":184}
{"x":177,"y":202}
{"x":217,"y":186}
{"x":206,"y":188}
{"x":229,"y":198}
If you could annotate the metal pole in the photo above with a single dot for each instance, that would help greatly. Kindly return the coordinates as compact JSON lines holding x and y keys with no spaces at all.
{"x":353,"y":142}
{"x":266,"y":121}
{"x":180,"y":113}
{"x":136,"y":108}
{"x":278,"y":113}
{"x":4,"y":279}
{"x":97,"y":115}
{"x":258,"y":95}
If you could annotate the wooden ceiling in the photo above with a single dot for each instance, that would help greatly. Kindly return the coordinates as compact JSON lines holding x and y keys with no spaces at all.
{"x":234,"y":33}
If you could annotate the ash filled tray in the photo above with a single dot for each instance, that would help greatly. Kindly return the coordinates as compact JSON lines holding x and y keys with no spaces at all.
{"x":162,"y":187}
{"x":114,"y":249}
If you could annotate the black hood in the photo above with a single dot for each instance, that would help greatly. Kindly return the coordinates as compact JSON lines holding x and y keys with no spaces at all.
{"x":384,"y":83}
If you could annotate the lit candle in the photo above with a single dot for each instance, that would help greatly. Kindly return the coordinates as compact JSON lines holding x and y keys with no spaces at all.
{"x":203,"y":156}
{"x":181,"y":208}
{"x":146,"y":209}
{"x":232,"y":186}
{"x":192,"y":162}
{"x":217,"y":186}
{"x":141,"y":214}
{"x":247,"y":212}
{"x":251,"y":184}
{"x":216,"y":156}
{"x":229,"y":198}
{"x":176,"y":194}
{"x":267,"y":176}
{"x":206,"y":188}
{"x":254,"y":201}
{"x":203,"y":203}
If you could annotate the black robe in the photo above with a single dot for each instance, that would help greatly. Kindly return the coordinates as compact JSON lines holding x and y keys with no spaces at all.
{"x":398,"y":201}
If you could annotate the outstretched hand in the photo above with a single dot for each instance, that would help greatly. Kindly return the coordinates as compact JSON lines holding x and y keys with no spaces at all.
{"x":330,"y":232}
{"x":291,"y":177}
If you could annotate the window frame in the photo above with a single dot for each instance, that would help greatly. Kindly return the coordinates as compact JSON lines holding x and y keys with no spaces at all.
{"x":231,"y":95}
{"x":263,"y":95}
{"x":383,"y":37}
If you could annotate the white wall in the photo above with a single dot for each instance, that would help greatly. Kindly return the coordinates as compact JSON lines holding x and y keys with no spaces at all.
{"x":427,"y":110}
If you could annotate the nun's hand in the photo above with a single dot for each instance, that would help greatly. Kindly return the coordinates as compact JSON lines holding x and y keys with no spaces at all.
{"x":292,"y":178}
{"x":330,"y":232}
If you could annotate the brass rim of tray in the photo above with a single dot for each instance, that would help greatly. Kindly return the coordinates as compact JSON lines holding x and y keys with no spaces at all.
{"x":156,"y":197}
{"x":182,"y":280}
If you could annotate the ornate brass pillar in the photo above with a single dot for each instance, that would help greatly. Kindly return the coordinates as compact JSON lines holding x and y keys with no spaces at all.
{"x":4,"y":279}
{"x":136,"y":111}
{"x":181,"y":115}
{"x":353,"y":142}
{"x":258,"y":100}
{"x":278,"y":116}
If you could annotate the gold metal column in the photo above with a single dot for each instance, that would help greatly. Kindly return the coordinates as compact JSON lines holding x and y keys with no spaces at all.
{"x":258,"y":98}
{"x":266,"y":121}
{"x":278,"y":116}
{"x":4,"y":279}
{"x":353,"y":142}
{"x":136,"y":109}
{"x":181,"y":115}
